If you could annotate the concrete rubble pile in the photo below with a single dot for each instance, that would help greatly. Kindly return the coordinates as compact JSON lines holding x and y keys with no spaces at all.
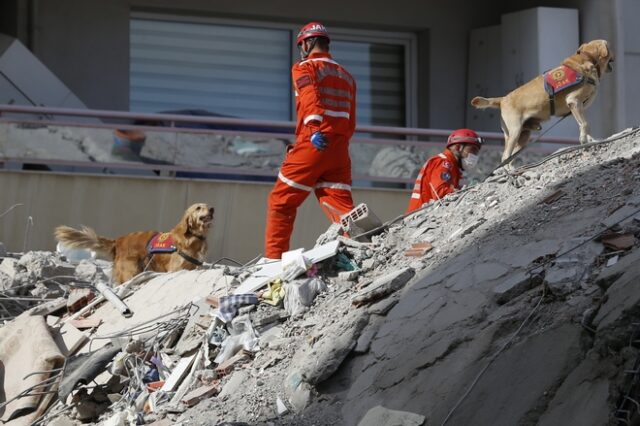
{"x":513,"y":301}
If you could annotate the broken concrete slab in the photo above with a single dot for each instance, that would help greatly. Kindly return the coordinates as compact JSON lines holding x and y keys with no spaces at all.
{"x":384,"y":306}
{"x":364,"y":341}
{"x":622,"y":295}
{"x":621,"y":215}
{"x":562,"y":280}
{"x":608,"y":275}
{"x":512,"y":286}
{"x":381,"y":416}
{"x":329,"y":352}
{"x":583,"y":397}
{"x":163,"y":297}
{"x":195,"y":329}
{"x":383,"y":286}
{"x":522,"y":255}
{"x":72,"y":339}
{"x":28,"y":353}
{"x":178,"y":373}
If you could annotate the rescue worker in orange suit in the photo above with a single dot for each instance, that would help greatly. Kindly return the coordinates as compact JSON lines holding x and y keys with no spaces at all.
{"x":319,"y":160}
{"x":441,"y":174}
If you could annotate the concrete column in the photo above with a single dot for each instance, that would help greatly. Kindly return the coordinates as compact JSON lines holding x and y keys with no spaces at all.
{"x":602,"y":20}
{"x":447,"y":79}
{"x":85,"y":43}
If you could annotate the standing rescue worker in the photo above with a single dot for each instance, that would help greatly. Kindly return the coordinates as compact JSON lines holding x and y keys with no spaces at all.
{"x":319,"y":161}
{"x":441,"y":174}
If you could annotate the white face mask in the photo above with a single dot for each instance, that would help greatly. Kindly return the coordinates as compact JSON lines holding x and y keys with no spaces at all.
{"x":469,"y":162}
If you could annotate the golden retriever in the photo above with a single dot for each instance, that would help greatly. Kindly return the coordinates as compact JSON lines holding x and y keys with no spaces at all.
{"x":130,"y":253}
{"x":526,"y":107}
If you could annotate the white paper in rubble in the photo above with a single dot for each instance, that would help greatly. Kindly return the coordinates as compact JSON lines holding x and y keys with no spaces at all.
{"x":273,"y":270}
{"x":158,"y":297}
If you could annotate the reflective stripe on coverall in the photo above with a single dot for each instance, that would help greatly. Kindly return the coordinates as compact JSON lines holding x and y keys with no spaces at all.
{"x":440,"y":174}
{"x":325,"y":102}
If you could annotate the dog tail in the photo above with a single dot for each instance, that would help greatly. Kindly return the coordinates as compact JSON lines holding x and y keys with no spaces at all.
{"x":481,"y":103}
{"x":86,"y":238}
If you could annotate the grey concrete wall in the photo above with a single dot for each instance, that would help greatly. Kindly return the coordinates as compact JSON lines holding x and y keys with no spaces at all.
{"x":115,"y":205}
{"x":86,"y":42}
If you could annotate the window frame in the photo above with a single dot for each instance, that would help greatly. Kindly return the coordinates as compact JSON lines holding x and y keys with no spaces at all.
{"x":406,"y":39}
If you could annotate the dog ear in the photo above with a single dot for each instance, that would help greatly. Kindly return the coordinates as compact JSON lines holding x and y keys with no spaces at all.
{"x":603,"y":49}
{"x":183,"y":226}
{"x":579,"y":51}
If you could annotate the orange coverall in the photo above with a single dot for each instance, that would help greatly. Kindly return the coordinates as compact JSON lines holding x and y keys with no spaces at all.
{"x":325,"y":102}
{"x":440,"y":174}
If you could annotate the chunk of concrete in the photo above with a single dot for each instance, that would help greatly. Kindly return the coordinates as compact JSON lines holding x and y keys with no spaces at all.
{"x":621,"y":216}
{"x":10,"y":267}
{"x":383,"y":286}
{"x":381,"y":416}
{"x":318,"y":363}
{"x":621,"y":297}
{"x":609,"y":275}
{"x":384,"y":306}
{"x":513,"y":286}
{"x":562,"y":280}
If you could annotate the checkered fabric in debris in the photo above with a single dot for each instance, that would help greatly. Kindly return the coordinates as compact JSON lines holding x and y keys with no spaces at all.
{"x":228,"y":305}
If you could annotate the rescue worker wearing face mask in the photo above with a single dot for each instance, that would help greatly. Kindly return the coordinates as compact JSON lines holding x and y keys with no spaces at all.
{"x":319,"y":160}
{"x":441,"y":174}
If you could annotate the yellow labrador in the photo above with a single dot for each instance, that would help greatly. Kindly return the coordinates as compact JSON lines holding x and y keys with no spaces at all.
{"x":526,"y":107}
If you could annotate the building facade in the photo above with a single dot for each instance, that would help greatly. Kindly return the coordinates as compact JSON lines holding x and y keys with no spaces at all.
{"x":416,"y":63}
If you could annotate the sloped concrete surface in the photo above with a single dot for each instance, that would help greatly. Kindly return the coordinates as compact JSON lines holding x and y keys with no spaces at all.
{"x":513,"y":318}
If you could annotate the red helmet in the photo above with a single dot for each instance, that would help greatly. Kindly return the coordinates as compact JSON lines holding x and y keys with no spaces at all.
{"x":312,"y":29}
{"x":467,"y":136}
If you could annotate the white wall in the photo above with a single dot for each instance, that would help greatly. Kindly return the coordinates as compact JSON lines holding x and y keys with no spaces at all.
{"x":116,"y":205}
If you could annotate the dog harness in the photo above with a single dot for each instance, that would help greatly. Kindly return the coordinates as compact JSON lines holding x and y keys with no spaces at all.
{"x":162,"y":242}
{"x":559,"y":79}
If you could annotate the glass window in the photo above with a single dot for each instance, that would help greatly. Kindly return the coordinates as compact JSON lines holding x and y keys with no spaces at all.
{"x":229,"y":70}
{"x":379,"y":70}
{"x":244,"y":71}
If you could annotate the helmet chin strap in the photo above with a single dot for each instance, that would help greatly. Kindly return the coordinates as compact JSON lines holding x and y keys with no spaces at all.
{"x":312,"y":43}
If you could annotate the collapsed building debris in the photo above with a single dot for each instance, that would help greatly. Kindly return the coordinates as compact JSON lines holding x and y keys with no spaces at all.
{"x":499,"y":304}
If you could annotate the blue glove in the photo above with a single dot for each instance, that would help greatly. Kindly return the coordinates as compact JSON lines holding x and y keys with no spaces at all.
{"x":319,"y":141}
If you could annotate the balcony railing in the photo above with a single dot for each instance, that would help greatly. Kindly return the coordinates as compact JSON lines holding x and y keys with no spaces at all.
{"x":193,"y":146}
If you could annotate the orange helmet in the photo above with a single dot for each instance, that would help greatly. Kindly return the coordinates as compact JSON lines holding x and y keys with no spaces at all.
{"x":464,"y":136}
{"x":312,"y":29}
